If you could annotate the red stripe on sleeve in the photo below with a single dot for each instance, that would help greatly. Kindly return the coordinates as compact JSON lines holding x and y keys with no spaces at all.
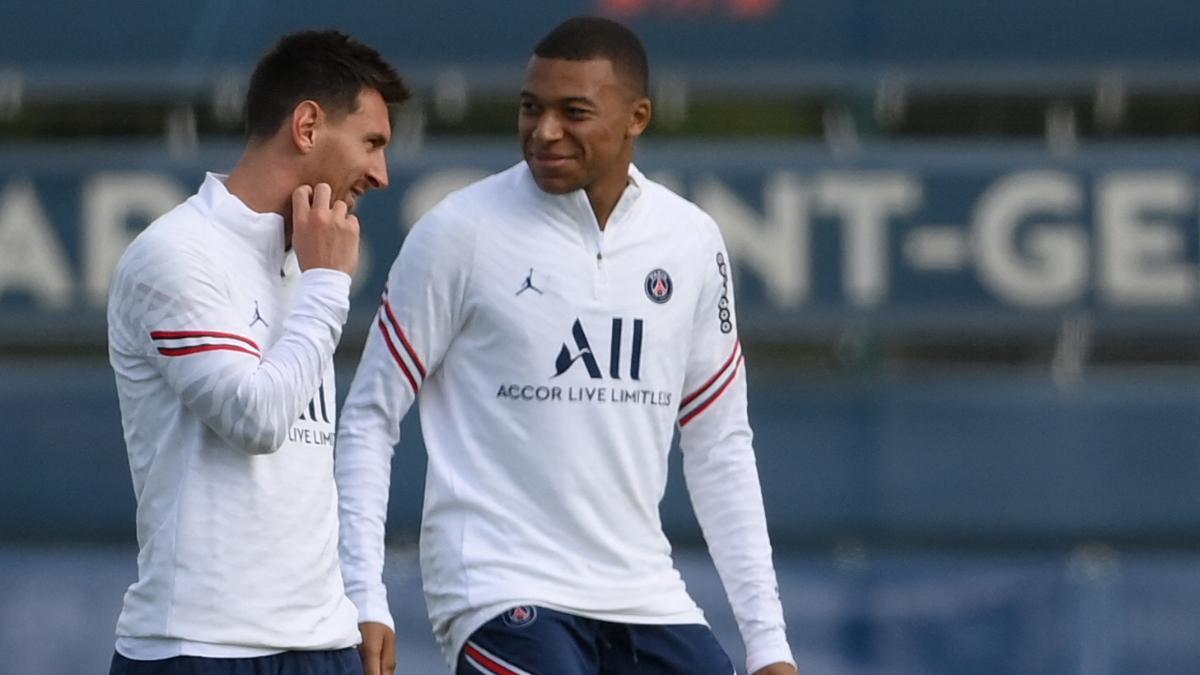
{"x":387,"y":306}
{"x":712,"y":399}
{"x":692,"y":396}
{"x":176,"y":334}
{"x":396,"y":356}
{"x":184,"y":351}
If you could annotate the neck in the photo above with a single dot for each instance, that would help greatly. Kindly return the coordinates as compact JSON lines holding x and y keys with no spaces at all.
{"x":603,"y":196}
{"x":263,"y":184}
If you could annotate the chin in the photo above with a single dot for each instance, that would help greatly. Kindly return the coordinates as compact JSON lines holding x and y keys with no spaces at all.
{"x":556,"y":185}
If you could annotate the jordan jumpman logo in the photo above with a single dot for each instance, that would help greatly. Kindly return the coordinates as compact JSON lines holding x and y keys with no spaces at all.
{"x":258,"y":317}
{"x":528,"y":285}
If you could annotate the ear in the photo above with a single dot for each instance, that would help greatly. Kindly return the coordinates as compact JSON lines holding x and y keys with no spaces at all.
{"x":639,"y":117}
{"x":307,"y":118}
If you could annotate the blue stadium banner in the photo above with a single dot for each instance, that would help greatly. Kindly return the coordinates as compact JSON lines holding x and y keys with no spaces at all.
{"x":923,"y":234}
{"x":193,"y":43}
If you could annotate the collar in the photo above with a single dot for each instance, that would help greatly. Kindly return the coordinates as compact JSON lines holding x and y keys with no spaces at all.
{"x":576,"y":203}
{"x":263,"y":232}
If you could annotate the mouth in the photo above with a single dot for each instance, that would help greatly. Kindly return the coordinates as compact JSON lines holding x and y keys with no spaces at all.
{"x":549,"y":160}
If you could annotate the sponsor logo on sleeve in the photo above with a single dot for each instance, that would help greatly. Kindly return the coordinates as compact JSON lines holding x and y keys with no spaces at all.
{"x":723,"y":313}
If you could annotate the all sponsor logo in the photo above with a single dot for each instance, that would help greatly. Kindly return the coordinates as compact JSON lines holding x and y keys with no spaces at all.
{"x":583,"y":351}
{"x":626,"y":338}
{"x":317,"y":412}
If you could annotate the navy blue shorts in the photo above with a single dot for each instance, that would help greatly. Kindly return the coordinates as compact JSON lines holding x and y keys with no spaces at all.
{"x":332,"y":662}
{"x":539,"y":641}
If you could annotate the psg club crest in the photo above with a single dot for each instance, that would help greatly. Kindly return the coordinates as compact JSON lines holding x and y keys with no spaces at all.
{"x":520,"y":616}
{"x":659,"y":286}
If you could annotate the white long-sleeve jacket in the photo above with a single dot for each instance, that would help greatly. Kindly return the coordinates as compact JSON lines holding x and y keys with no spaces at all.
{"x":554,"y":361}
{"x":222,"y":352}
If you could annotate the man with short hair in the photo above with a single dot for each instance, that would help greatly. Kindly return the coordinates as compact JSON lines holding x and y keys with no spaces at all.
{"x":223,"y":318}
{"x":559,"y":319}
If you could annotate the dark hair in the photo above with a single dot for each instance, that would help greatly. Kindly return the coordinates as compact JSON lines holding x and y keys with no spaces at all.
{"x":326,"y":66}
{"x":590,"y":37}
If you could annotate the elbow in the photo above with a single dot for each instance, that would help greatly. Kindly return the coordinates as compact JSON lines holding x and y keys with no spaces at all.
{"x":261,"y":448}
{"x":255,"y":426}
{"x":255,"y":439}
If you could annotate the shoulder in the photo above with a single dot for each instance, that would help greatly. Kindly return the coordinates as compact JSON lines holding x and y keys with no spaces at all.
{"x":177,"y":245}
{"x":487,"y":195}
{"x":682,"y":215}
{"x":459,"y":215}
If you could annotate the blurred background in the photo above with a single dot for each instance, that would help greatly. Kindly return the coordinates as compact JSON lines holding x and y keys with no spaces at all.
{"x":965,"y":241}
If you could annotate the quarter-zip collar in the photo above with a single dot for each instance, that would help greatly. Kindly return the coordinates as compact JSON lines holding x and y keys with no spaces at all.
{"x":578,"y":209}
{"x":262,"y":232}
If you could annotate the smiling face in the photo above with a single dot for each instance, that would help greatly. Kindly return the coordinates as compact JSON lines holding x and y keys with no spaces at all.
{"x":348,"y":152}
{"x":578,"y":123}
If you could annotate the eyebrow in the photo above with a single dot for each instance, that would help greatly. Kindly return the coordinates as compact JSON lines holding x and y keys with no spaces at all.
{"x":569,"y":100}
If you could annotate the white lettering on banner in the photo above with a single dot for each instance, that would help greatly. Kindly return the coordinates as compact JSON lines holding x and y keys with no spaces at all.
{"x":865,"y":201}
{"x":1052,"y":266}
{"x":937,"y":248}
{"x":31,"y":258}
{"x":776,"y":246}
{"x":110,"y":200}
{"x":1139,"y":254}
{"x":1029,"y":236}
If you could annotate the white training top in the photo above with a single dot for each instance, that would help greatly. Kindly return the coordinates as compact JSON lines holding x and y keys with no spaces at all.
{"x":223,"y":357}
{"x":554,"y":360}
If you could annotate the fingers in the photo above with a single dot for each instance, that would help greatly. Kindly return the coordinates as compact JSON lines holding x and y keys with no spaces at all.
{"x":302,"y":201}
{"x":369,"y":651}
{"x":324,"y":232}
{"x":388,"y":660}
{"x":340,"y":211}
{"x":308,"y":199}
{"x":378,"y":649}
{"x":322,"y":197}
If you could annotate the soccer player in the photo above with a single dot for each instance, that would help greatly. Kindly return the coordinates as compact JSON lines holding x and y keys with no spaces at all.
{"x":559,"y":319}
{"x":223,"y":317}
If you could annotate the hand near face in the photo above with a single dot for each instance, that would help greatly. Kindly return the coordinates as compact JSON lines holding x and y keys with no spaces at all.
{"x":324,"y":232}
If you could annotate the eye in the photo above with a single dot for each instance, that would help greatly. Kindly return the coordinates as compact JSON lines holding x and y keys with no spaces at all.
{"x":577,"y":113}
{"x":529,"y":107}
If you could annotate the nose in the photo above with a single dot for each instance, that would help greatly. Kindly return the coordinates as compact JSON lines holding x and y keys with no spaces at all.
{"x":547,"y":129}
{"x":377,"y":175}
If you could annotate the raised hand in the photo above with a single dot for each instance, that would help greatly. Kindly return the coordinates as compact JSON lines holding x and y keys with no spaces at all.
{"x":324,"y":232}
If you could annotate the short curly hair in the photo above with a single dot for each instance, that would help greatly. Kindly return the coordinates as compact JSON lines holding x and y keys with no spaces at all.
{"x":584,"y":38}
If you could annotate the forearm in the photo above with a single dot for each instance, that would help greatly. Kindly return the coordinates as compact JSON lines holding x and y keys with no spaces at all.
{"x":363,"y":479}
{"x":722,"y":479}
{"x":367,"y":433}
{"x":252,"y":405}
{"x":728,"y":503}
